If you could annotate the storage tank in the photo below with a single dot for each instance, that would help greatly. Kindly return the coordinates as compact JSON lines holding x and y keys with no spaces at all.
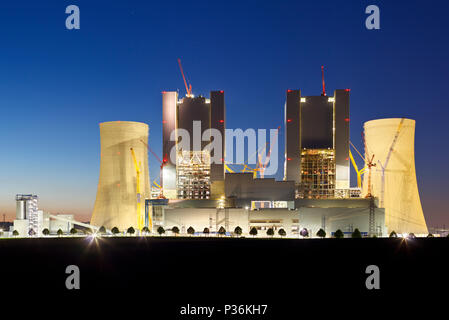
{"x":21,"y":210}
{"x":117,"y":201}
{"x":393,"y":179}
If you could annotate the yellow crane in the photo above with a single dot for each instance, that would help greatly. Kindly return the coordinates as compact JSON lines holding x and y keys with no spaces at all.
{"x":247,"y":168}
{"x":140,"y":215}
{"x":163,"y":163}
{"x":354,"y":164}
{"x":263,"y":166}
{"x":228,"y":169}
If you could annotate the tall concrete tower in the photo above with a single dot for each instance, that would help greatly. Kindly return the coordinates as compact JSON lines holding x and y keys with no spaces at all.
{"x":393,"y":179}
{"x":317,"y":143}
{"x":117,"y":202}
{"x":189,"y":173}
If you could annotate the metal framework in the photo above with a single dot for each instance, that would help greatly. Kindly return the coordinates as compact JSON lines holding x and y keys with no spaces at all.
{"x":317,"y":173}
{"x":193,"y":175}
{"x":372,"y":217}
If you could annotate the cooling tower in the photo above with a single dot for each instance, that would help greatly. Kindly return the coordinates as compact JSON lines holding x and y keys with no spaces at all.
{"x":117,"y":199}
{"x":393,"y":179}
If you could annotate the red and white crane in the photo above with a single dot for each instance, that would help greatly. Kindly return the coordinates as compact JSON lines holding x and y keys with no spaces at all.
{"x":188,"y":86}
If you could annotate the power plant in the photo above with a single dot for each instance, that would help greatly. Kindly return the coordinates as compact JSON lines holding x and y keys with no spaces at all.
{"x":198,"y":189}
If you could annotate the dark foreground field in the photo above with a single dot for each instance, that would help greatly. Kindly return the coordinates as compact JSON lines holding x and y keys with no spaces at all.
{"x":164,"y":274}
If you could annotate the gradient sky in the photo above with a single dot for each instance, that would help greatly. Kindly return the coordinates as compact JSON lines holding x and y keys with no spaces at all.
{"x":56,"y":85}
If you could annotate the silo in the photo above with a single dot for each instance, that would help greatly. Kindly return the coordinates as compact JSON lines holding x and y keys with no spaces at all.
{"x":393,"y":179}
{"x":117,"y":199}
{"x":21,"y":213}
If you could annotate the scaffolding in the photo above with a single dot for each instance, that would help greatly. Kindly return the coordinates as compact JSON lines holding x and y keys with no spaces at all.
{"x":317,"y":174}
{"x":193,"y":175}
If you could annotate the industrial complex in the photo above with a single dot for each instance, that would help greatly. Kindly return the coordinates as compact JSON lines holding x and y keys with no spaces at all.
{"x":195,"y":190}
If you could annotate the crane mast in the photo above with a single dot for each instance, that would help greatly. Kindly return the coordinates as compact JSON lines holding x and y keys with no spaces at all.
{"x":322,"y":79}
{"x":140,"y":222}
{"x":372,"y":214}
{"x":162,"y":163}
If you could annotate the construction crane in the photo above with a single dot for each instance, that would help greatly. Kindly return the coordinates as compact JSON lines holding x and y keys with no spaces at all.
{"x":162,"y":163}
{"x":372,"y":214}
{"x":369,"y":164}
{"x":267,"y":160}
{"x":354,"y":164}
{"x":322,"y":79}
{"x":387,"y":159}
{"x":246,"y":167}
{"x":140,"y":217}
{"x":249,"y":169}
{"x":188,"y":86}
{"x":228,"y":169}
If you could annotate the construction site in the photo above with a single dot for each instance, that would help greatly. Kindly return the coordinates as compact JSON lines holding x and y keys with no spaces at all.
{"x":194,"y":190}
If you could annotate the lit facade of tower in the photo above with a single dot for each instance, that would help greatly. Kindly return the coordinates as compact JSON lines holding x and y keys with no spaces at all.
{"x":317,"y":144}
{"x":393,"y":179}
{"x":188,"y":172}
{"x":118,"y":203}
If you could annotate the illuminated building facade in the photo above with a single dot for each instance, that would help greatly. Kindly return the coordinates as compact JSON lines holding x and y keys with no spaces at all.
{"x":317,"y":143}
{"x":28,"y":218}
{"x":190,"y":124}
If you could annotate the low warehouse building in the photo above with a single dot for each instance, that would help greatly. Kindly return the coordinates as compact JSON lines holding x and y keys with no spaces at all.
{"x":312,"y":215}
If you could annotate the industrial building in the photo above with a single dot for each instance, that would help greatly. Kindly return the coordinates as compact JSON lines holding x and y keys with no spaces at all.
{"x":30,"y":221}
{"x":315,"y":193}
{"x":189,"y":171}
{"x":197,"y":189}
{"x":316,"y":189}
{"x":317,"y":144}
{"x":309,"y":214}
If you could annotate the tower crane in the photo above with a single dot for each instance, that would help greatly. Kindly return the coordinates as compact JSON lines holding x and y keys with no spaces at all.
{"x":354,"y":164}
{"x":246,"y":167}
{"x":267,"y":160}
{"x":162,"y":163}
{"x":188,"y":86}
{"x":369,"y":164}
{"x":138,"y":194}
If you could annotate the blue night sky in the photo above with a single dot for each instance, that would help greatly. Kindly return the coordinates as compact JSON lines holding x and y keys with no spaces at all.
{"x":56,"y":85}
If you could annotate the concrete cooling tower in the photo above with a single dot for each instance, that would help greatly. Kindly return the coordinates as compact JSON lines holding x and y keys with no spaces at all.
{"x":393,"y":179}
{"x":119,"y":202}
